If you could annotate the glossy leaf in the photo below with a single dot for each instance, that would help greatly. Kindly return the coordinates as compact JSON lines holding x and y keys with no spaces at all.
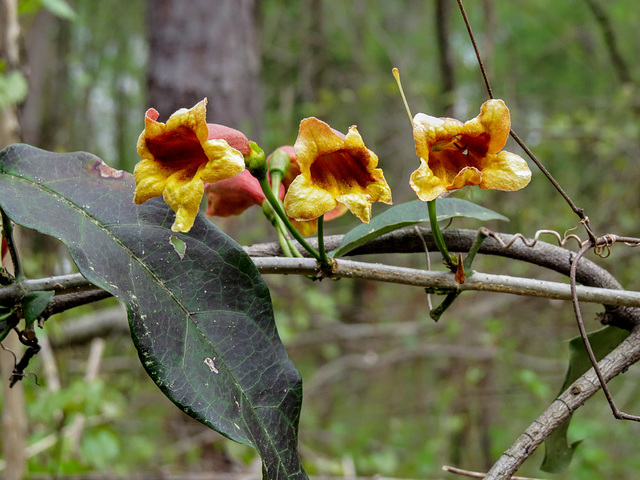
{"x":412,"y":213}
{"x":34,"y":303}
{"x":558,"y":451}
{"x":202,"y":320}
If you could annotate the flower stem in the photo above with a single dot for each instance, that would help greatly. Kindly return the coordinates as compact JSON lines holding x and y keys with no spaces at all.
{"x":477,"y":243}
{"x":324,"y":259}
{"x":275,"y":204}
{"x":7,"y":233}
{"x":437,"y":235}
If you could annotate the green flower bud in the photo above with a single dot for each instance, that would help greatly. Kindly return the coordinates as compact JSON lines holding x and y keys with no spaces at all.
{"x":256,"y":162}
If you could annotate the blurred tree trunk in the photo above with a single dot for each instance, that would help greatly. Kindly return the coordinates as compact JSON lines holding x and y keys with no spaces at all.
{"x":14,"y":417}
{"x":207,"y":49}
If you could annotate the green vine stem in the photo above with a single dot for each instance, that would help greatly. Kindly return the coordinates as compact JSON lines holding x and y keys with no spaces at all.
{"x":7,"y":233}
{"x":277,"y":208}
{"x":437,"y":236}
{"x":324,"y":259}
{"x":477,"y":243}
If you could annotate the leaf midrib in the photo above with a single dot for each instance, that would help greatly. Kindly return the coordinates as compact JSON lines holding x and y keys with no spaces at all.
{"x":96,"y":223}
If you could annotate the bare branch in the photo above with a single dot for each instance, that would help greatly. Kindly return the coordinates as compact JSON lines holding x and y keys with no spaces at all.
{"x":446,"y":281}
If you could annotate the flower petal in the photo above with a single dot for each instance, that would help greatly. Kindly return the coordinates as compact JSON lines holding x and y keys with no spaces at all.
{"x":494,"y":123}
{"x":304,"y":201}
{"x":466,"y":176}
{"x":426,"y":185}
{"x":183,"y":194}
{"x":180,"y":155}
{"x":428,"y":131}
{"x":224,"y":161}
{"x":506,"y":171}
{"x":151,"y":178}
{"x":358,"y":204}
{"x":233,"y":196}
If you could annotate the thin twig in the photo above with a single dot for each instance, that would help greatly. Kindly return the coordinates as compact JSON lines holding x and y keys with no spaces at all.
{"x":578,"y":211}
{"x":426,"y":254}
{"x":475,"y":47}
{"x":583,"y":333}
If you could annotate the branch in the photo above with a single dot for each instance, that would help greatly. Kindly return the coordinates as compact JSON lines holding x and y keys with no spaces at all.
{"x":608,"y":32}
{"x":620,"y":305}
{"x":542,"y":254}
{"x":446,"y":281}
{"x":621,"y":358}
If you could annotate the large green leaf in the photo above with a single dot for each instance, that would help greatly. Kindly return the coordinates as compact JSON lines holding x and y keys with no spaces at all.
{"x":412,"y":213}
{"x":558,"y":450}
{"x":202,"y":320}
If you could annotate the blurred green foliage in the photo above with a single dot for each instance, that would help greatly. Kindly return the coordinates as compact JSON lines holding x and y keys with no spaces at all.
{"x":386,"y":390}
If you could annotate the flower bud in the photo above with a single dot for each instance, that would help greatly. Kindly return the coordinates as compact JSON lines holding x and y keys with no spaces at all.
{"x":256,"y":161}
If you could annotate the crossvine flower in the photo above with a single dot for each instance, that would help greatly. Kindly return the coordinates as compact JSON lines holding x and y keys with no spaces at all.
{"x":233,"y":196}
{"x":454,"y":154}
{"x":335,"y":169}
{"x":182,"y":154}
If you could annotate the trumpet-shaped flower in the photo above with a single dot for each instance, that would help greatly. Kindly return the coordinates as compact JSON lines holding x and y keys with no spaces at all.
{"x":309,"y":227}
{"x":335,"y":169}
{"x":454,"y":154}
{"x":233,"y":196}
{"x":182,"y":154}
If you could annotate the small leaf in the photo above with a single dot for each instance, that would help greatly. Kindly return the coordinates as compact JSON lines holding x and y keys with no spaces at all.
{"x":13,"y":89}
{"x":210,"y":309}
{"x":60,"y":8}
{"x":34,"y":303}
{"x":8,"y":320}
{"x":558,"y":451}
{"x":412,"y":213}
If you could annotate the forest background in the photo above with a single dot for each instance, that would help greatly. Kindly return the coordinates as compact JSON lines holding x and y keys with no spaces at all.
{"x":387,"y":391}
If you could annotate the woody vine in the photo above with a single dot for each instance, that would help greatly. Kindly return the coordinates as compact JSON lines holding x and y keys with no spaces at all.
{"x":200,"y":313}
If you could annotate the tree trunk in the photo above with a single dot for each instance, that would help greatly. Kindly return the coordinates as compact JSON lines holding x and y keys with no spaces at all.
{"x":207,"y":49}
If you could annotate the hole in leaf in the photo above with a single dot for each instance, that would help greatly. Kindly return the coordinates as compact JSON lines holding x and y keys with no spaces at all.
{"x":179,"y":246}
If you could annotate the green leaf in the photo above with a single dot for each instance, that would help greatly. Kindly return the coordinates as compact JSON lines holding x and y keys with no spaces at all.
{"x":8,"y":320}
{"x":412,"y":213}
{"x":558,"y":451}
{"x":203,"y":324}
{"x":34,"y":303}
{"x":60,"y":8}
{"x":13,"y":89}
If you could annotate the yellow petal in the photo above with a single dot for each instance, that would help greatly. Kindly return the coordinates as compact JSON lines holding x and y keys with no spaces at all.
{"x":304,"y":201}
{"x":428,"y":131}
{"x":151,"y":178}
{"x":183,"y":193}
{"x":466,"y":176}
{"x":358,"y":204}
{"x":224,"y":161}
{"x":506,"y":171}
{"x":307,"y":228}
{"x":494,"y":120}
{"x":194,"y":119}
{"x":426,"y":185}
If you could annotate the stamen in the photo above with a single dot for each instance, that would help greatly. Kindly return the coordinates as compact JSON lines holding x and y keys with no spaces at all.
{"x":396,"y":75}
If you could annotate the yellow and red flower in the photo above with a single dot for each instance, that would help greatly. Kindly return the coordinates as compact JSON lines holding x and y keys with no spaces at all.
{"x":182,"y":154}
{"x":335,"y":169}
{"x":454,"y":154}
{"x":235,"y":195}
